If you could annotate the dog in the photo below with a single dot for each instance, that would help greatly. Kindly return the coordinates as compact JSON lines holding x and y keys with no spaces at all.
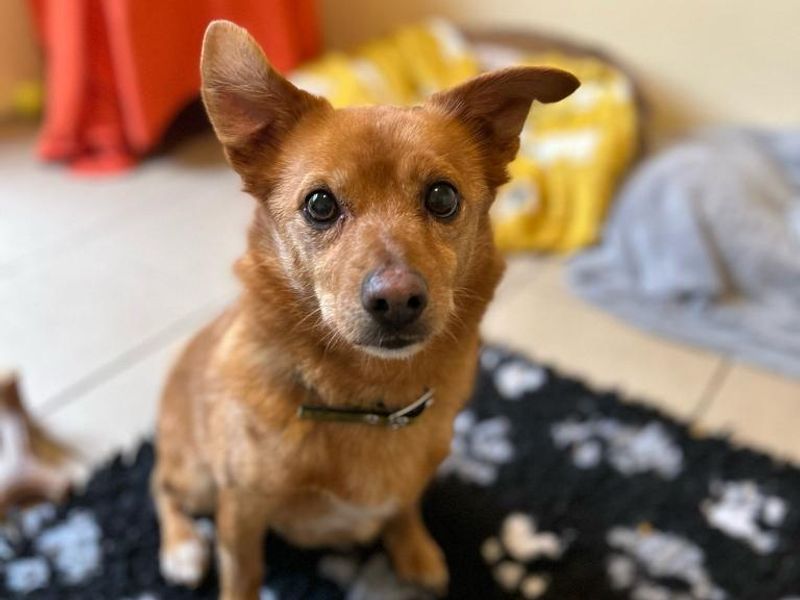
{"x":321,"y":403}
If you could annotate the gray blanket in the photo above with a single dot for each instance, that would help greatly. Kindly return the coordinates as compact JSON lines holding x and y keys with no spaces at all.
{"x":704,"y":246}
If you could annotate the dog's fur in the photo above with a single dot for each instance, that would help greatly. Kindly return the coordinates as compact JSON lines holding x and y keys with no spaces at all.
{"x":229,"y":440}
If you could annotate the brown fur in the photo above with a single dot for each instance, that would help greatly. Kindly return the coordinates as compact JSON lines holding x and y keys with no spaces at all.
{"x":229,"y":440}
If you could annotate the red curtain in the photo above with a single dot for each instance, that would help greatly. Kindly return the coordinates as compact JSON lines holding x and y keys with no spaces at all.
{"x":118,"y":71}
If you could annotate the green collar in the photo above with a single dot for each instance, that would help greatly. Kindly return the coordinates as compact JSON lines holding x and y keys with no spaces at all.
{"x":394,"y":420}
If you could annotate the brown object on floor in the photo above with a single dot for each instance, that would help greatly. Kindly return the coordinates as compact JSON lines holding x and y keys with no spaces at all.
{"x":30,"y":460}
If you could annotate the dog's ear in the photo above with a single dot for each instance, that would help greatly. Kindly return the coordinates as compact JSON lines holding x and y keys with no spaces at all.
{"x":246,"y":99}
{"x":496,"y":104}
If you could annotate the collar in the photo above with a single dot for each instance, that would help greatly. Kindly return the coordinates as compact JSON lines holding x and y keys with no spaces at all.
{"x":394,"y":420}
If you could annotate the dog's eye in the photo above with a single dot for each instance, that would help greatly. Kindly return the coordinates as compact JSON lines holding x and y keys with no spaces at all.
{"x":321,"y":208}
{"x":442,"y":200}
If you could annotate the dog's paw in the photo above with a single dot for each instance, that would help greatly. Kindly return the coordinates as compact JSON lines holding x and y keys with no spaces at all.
{"x":185,"y":563}
{"x":424,"y":566}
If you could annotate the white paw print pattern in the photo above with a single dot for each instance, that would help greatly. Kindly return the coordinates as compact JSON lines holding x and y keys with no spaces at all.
{"x":519,"y":544}
{"x":478,"y":448}
{"x":25,"y":575}
{"x":742,"y":511}
{"x":72,"y":545}
{"x":490,"y":358}
{"x":516,"y":378}
{"x":629,"y":449}
{"x":266,"y":593}
{"x":644,"y":560}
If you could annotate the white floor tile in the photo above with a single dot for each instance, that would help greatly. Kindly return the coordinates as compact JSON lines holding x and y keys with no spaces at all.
{"x":546,"y":321}
{"x":117,"y":414}
{"x":65,"y":314}
{"x":757,"y":408}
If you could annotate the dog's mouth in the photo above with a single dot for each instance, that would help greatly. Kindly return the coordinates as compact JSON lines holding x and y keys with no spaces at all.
{"x":395,"y":343}
{"x":392,"y":346}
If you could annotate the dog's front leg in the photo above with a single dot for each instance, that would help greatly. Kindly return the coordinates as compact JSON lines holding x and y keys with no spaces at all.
{"x":241,"y":525}
{"x":415,"y":555}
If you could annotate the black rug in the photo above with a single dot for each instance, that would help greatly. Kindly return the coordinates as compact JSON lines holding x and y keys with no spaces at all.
{"x":552,"y":491}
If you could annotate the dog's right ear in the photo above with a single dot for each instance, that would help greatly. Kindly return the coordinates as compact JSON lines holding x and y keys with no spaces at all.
{"x":495,"y":105}
{"x":247,"y":100}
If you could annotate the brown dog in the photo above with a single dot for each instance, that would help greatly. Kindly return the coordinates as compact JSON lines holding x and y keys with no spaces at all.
{"x":369,"y":265}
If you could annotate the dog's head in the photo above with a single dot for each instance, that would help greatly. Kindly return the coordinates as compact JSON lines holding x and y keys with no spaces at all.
{"x":378,"y":215}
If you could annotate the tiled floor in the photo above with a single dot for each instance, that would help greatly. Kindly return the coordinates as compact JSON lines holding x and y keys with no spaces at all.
{"x":102,"y":280}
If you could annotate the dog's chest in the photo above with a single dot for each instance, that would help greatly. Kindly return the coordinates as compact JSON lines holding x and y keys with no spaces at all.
{"x":362,"y":482}
{"x":320,"y":518}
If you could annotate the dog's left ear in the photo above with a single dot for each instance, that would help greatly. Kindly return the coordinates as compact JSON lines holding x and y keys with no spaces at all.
{"x":496,"y":104}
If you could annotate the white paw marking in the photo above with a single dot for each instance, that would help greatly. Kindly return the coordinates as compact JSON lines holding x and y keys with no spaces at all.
{"x":478,"y":448}
{"x":185,"y":563}
{"x":513,"y":555}
{"x":516,"y":378}
{"x":630,"y":449}
{"x":643,"y":560}
{"x":525,"y":543}
{"x":742,"y":510}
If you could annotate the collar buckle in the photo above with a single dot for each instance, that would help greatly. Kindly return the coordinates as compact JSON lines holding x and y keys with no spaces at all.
{"x":398,"y":422}
{"x":395,"y":420}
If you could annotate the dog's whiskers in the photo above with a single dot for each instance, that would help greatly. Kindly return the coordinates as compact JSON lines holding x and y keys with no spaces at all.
{"x":315,"y":314}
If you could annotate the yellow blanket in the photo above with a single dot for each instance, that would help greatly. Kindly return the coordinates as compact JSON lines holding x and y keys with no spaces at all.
{"x":572,"y":153}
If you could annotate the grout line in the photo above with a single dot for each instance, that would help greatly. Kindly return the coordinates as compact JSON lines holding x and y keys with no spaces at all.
{"x":129,"y":357}
{"x":711,"y":389}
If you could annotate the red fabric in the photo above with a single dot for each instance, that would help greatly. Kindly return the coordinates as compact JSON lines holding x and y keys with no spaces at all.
{"x":118,"y":71}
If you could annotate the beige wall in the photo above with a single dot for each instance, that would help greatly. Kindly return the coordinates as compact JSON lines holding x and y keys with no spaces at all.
{"x":702,"y":61}
{"x":19,"y":59}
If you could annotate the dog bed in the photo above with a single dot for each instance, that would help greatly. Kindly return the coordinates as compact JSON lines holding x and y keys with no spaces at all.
{"x":551,"y":491}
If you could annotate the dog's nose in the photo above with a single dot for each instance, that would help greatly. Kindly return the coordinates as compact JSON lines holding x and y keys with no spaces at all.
{"x":394,"y":296}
